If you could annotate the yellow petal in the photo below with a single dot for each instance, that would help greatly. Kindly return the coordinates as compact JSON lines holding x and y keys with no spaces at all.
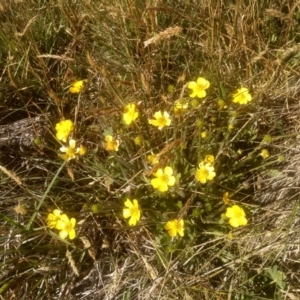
{"x":73,"y":222}
{"x":132,"y":221}
{"x":126,"y":213}
{"x":155,"y":182}
{"x":163,"y":187}
{"x":234,"y":222}
{"x":229,"y":213}
{"x":72,"y":234}
{"x":171,"y":181}
{"x":192,"y":85}
{"x":72,"y":143}
{"x":128,"y":203}
{"x":56,"y":212}
{"x":168,"y":171}
{"x":158,"y":115}
{"x":63,"y":149}
{"x":159,"y":173}
{"x":63,"y":234}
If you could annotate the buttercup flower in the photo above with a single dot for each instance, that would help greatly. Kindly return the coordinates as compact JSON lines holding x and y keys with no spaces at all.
{"x":138,"y":140}
{"x":130,"y":113}
{"x":132,"y":211}
{"x":209,"y":159}
{"x":242,"y":96}
{"x":236,"y":216}
{"x":152,"y":159}
{"x":111,"y":143}
{"x":175,"y":227}
{"x":180,"y":106}
{"x":164,"y":179}
{"x":265,"y":153}
{"x":53,"y":218}
{"x":63,"y":129}
{"x":70,"y":152}
{"x":198,"y":87}
{"x":205,"y":172}
{"x":77,"y":86}
{"x":203,"y":134}
{"x":161,"y":120}
{"x":66,"y":227}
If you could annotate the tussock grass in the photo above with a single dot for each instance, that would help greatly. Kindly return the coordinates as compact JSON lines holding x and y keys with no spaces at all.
{"x":133,"y":51}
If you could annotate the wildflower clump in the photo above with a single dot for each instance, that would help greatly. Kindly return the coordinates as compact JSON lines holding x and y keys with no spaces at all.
{"x":236,"y":216}
{"x":132,"y":211}
{"x":62,"y":222}
{"x":63,"y":130}
{"x":206,"y":170}
{"x":160,"y":120}
{"x":197,"y":88}
{"x":164,"y":179}
{"x":111,"y":144}
{"x":77,"y":86}
{"x":130,"y":113}
{"x":71,"y":151}
{"x":242,"y":96}
{"x":175,"y":227}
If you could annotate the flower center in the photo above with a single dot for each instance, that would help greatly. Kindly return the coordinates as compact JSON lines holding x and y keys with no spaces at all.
{"x":205,"y":173}
{"x":162,"y":121}
{"x":165,"y":178}
{"x":133,"y":211}
{"x":238,"y":215}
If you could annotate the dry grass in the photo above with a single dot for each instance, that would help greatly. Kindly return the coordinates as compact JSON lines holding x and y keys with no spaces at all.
{"x":133,"y":51}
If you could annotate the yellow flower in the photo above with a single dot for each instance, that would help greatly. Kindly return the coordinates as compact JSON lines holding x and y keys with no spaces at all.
{"x":242,"y":96}
{"x":53,"y":218}
{"x":70,"y":152}
{"x":265,"y":153}
{"x":138,"y":140}
{"x":222,"y":104}
{"x":209,"y":159}
{"x":226,"y":199}
{"x":205,"y":172}
{"x":77,"y":86}
{"x":236,"y":216}
{"x":180,"y":106}
{"x":132,"y":211}
{"x":198,"y":87}
{"x":66,"y":227}
{"x":130,"y":114}
{"x":63,"y":129}
{"x":111,"y":143}
{"x":203,"y":134}
{"x":152,"y":159}
{"x":164,"y":179}
{"x":161,"y":120}
{"x":175,"y":227}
